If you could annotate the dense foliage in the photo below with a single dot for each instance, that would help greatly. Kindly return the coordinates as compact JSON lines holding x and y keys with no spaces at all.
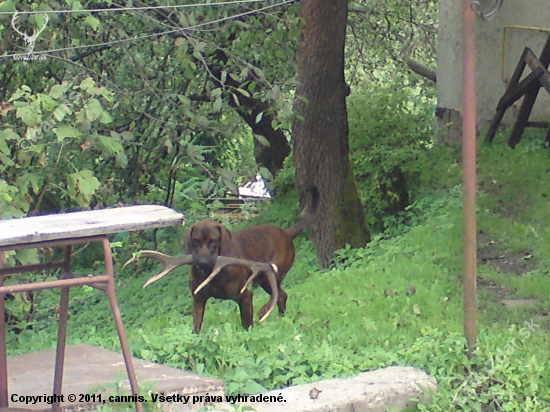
{"x":158,"y":101}
{"x":178,"y":105}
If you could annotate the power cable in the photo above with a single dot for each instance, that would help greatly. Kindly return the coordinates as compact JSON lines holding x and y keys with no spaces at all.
{"x":189,"y":28}
{"x":175,"y":6}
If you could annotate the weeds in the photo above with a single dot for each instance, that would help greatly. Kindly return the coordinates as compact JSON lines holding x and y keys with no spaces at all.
{"x":397,"y":301}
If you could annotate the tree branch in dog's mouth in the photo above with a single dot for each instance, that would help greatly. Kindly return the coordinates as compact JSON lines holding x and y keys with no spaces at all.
{"x":169,"y":263}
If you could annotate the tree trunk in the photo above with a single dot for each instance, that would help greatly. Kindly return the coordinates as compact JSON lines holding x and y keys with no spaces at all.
{"x":321,"y":149}
{"x":272,"y":156}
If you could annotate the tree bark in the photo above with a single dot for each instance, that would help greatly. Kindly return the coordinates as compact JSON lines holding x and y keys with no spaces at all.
{"x":321,"y":149}
{"x":272,"y":156}
{"x":422,"y":70}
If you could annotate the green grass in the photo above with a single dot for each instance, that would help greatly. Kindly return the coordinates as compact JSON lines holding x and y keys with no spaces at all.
{"x":396,"y":302}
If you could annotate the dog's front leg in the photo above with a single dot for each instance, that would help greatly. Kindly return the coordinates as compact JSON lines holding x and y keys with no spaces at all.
{"x":245,"y":306}
{"x":199,"y":304}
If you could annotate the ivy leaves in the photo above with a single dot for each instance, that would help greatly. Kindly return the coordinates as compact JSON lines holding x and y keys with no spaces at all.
{"x":81,"y":186}
{"x":54,"y":132}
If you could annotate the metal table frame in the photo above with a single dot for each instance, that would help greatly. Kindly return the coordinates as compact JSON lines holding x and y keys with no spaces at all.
{"x":105,"y":283}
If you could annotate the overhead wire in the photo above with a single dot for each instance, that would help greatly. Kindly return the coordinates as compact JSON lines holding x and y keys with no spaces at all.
{"x":173,"y":6}
{"x":189,"y":28}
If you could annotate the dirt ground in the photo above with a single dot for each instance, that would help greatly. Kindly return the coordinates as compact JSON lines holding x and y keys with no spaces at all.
{"x":509,"y":262}
{"x":513,"y":263}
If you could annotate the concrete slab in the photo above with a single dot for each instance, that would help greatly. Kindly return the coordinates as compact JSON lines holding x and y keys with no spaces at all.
{"x":386,"y":389}
{"x":376,"y":391}
{"x":391,"y":388}
{"x":518,"y":303}
{"x":92,"y":370}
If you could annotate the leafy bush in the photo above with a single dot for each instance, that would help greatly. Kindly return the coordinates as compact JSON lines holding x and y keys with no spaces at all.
{"x":390,"y":129}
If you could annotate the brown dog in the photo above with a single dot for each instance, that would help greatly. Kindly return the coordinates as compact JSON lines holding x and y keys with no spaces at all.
{"x":207,"y":240}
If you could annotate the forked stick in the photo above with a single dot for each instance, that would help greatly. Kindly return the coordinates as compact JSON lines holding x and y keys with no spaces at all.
{"x":256,"y":273}
{"x":223,"y":261}
{"x":170,"y":263}
{"x":270,"y":270}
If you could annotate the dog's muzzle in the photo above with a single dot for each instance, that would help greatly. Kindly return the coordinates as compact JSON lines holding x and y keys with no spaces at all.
{"x":205,"y":264}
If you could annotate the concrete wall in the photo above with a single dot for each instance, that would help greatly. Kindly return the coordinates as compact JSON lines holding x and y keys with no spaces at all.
{"x":500,"y":43}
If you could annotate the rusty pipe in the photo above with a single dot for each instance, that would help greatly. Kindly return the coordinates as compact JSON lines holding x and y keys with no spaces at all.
{"x":469,"y":170}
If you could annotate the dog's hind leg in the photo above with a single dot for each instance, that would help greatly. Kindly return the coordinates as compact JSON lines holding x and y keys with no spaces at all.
{"x":245,"y":307}
{"x":281,"y":300}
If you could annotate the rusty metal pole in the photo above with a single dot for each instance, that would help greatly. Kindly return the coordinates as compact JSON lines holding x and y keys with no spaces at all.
{"x":4,"y":400}
{"x":469,"y":169}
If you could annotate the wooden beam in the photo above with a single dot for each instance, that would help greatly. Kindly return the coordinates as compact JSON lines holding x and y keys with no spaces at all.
{"x":518,"y":71}
{"x":515,"y":93}
{"x":530,"y":97}
{"x":535,"y":64}
{"x":547,"y":139}
{"x":538,"y":125}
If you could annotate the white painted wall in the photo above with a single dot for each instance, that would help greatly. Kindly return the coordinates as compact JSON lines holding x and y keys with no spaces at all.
{"x":500,"y":43}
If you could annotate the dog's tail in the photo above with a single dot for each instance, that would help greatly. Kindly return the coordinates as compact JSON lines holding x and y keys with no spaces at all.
{"x":307,"y":215}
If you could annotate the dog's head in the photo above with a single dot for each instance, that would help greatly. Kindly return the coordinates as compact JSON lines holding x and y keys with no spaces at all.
{"x":205,"y":241}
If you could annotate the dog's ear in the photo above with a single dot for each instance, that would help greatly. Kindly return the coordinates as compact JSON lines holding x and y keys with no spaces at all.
{"x":226,"y":240}
{"x":187,"y":241}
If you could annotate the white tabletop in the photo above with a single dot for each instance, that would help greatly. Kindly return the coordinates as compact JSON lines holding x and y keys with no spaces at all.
{"x":89,"y":223}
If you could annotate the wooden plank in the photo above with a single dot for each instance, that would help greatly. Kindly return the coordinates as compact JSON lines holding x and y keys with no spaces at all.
{"x":523,"y":116}
{"x":235,"y":216}
{"x":519,"y":69}
{"x":494,"y":125}
{"x":530,"y":97}
{"x":526,"y":87}
{"x":544,"y":80}
{"x":224,"y":201}
{"x":535,"y":64}
{"x":88,"y":223}
{"x":515,"y":93}
{"x":502,"y":104}
{"x":538,"y":125}
{"x":547,"y":138}
{"x":241,"y":201}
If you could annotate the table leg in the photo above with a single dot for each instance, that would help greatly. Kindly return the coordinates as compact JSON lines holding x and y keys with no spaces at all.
{"x":61,"y":332}
{"x":3,"y":356}
{"x":118,"y":322}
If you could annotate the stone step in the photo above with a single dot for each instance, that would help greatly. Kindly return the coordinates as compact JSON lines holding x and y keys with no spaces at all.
{"x":393,"y":388}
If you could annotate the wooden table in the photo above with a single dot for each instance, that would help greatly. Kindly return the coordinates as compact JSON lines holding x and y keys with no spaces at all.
{"x":67,"y":230}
